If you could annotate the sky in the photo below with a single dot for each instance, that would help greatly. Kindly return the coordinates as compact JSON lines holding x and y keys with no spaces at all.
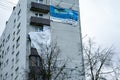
{"x":6,"y":7}
{"x":99,"y":20}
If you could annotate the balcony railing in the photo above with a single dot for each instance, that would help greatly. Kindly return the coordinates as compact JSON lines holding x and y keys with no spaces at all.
{"x":40,"y":7}
{"x":39,"y":21}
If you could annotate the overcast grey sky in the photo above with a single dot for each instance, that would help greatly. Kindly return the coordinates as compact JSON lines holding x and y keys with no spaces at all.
{"x":99,"y":19}
{"x":6,"y":7}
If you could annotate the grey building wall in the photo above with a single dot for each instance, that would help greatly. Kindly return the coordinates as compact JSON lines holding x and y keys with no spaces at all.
{"x":15,"y":50}
{"x":69,"y":38}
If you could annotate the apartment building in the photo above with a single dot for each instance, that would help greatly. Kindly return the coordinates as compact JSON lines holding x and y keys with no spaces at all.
{"x":39,"y":21}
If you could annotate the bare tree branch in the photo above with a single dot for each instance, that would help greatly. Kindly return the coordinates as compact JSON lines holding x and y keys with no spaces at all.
{"x":95,"y":59}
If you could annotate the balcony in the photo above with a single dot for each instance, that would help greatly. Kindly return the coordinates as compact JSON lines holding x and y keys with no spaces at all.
{"x":34,"y":52}
{"x":34,"y":58}
{"x":37,"y":21}
{"x":36,"y":70}
{"x":40,"y":7}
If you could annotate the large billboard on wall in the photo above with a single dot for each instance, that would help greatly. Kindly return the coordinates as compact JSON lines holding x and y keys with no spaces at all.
{"x":64,"y":15}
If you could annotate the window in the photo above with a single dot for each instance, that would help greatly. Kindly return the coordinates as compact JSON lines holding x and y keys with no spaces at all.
{"x":12,"y":76}
{"x":18,"y":31}
{"x":17,"y":57}
{"x":39,"y":1}
{"x":38,"y":15}
{"x":38,"y":77}
{"x":0,"y":48}
{"x":12,"y":63}
{"x":6,"y":75}
{"x":1,"y":76}
{"x":19,"y":12}
{"x":14,"y":20}
{"x":13,"y":52}
{"x":16,"y":77}
{"x":8,"y":37}
{"x":13,"y":47}
{"x":38,"y":29}
{"x":34,"y":61}
{"x":3,"y":44}
{"x":19,"y":4}
{"x":14,"y":26}
{"x":19,"y":15}
{"x":14,"y":33}
{"x":2,"y":54}
{"x":18,"y":42}
{"x":0,"y":64}
{"x":16,"y":70}
{"x":5,"y":53}
{"x":13,"y":38}
{"x":8,"y":49}
{"x":18,"y":25}
{"x":7,"y":61}
{"x":3,"y":40}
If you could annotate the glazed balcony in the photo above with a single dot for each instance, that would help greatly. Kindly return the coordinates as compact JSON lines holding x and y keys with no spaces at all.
{"x":35,"y":70}
{"x":40,"y":7}
{"x":38,"y":21}
{"x":34,"y":52}
{"x":35,"y":61}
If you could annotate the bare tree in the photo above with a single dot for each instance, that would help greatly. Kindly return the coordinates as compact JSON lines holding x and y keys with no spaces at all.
{"x":97,"y":60}
{"x":115,"y":70}
{"x":51,"y":65}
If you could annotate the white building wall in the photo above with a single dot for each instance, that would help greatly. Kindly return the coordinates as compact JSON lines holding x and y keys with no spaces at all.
{"x":16,"y":27}
{"x":67,"y":36}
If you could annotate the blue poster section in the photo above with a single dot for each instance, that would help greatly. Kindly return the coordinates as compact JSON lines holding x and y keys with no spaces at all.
{"x":63,"y":13}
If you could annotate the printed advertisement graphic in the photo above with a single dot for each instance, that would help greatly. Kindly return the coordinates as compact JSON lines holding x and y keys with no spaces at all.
{"x":63,"y":15}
